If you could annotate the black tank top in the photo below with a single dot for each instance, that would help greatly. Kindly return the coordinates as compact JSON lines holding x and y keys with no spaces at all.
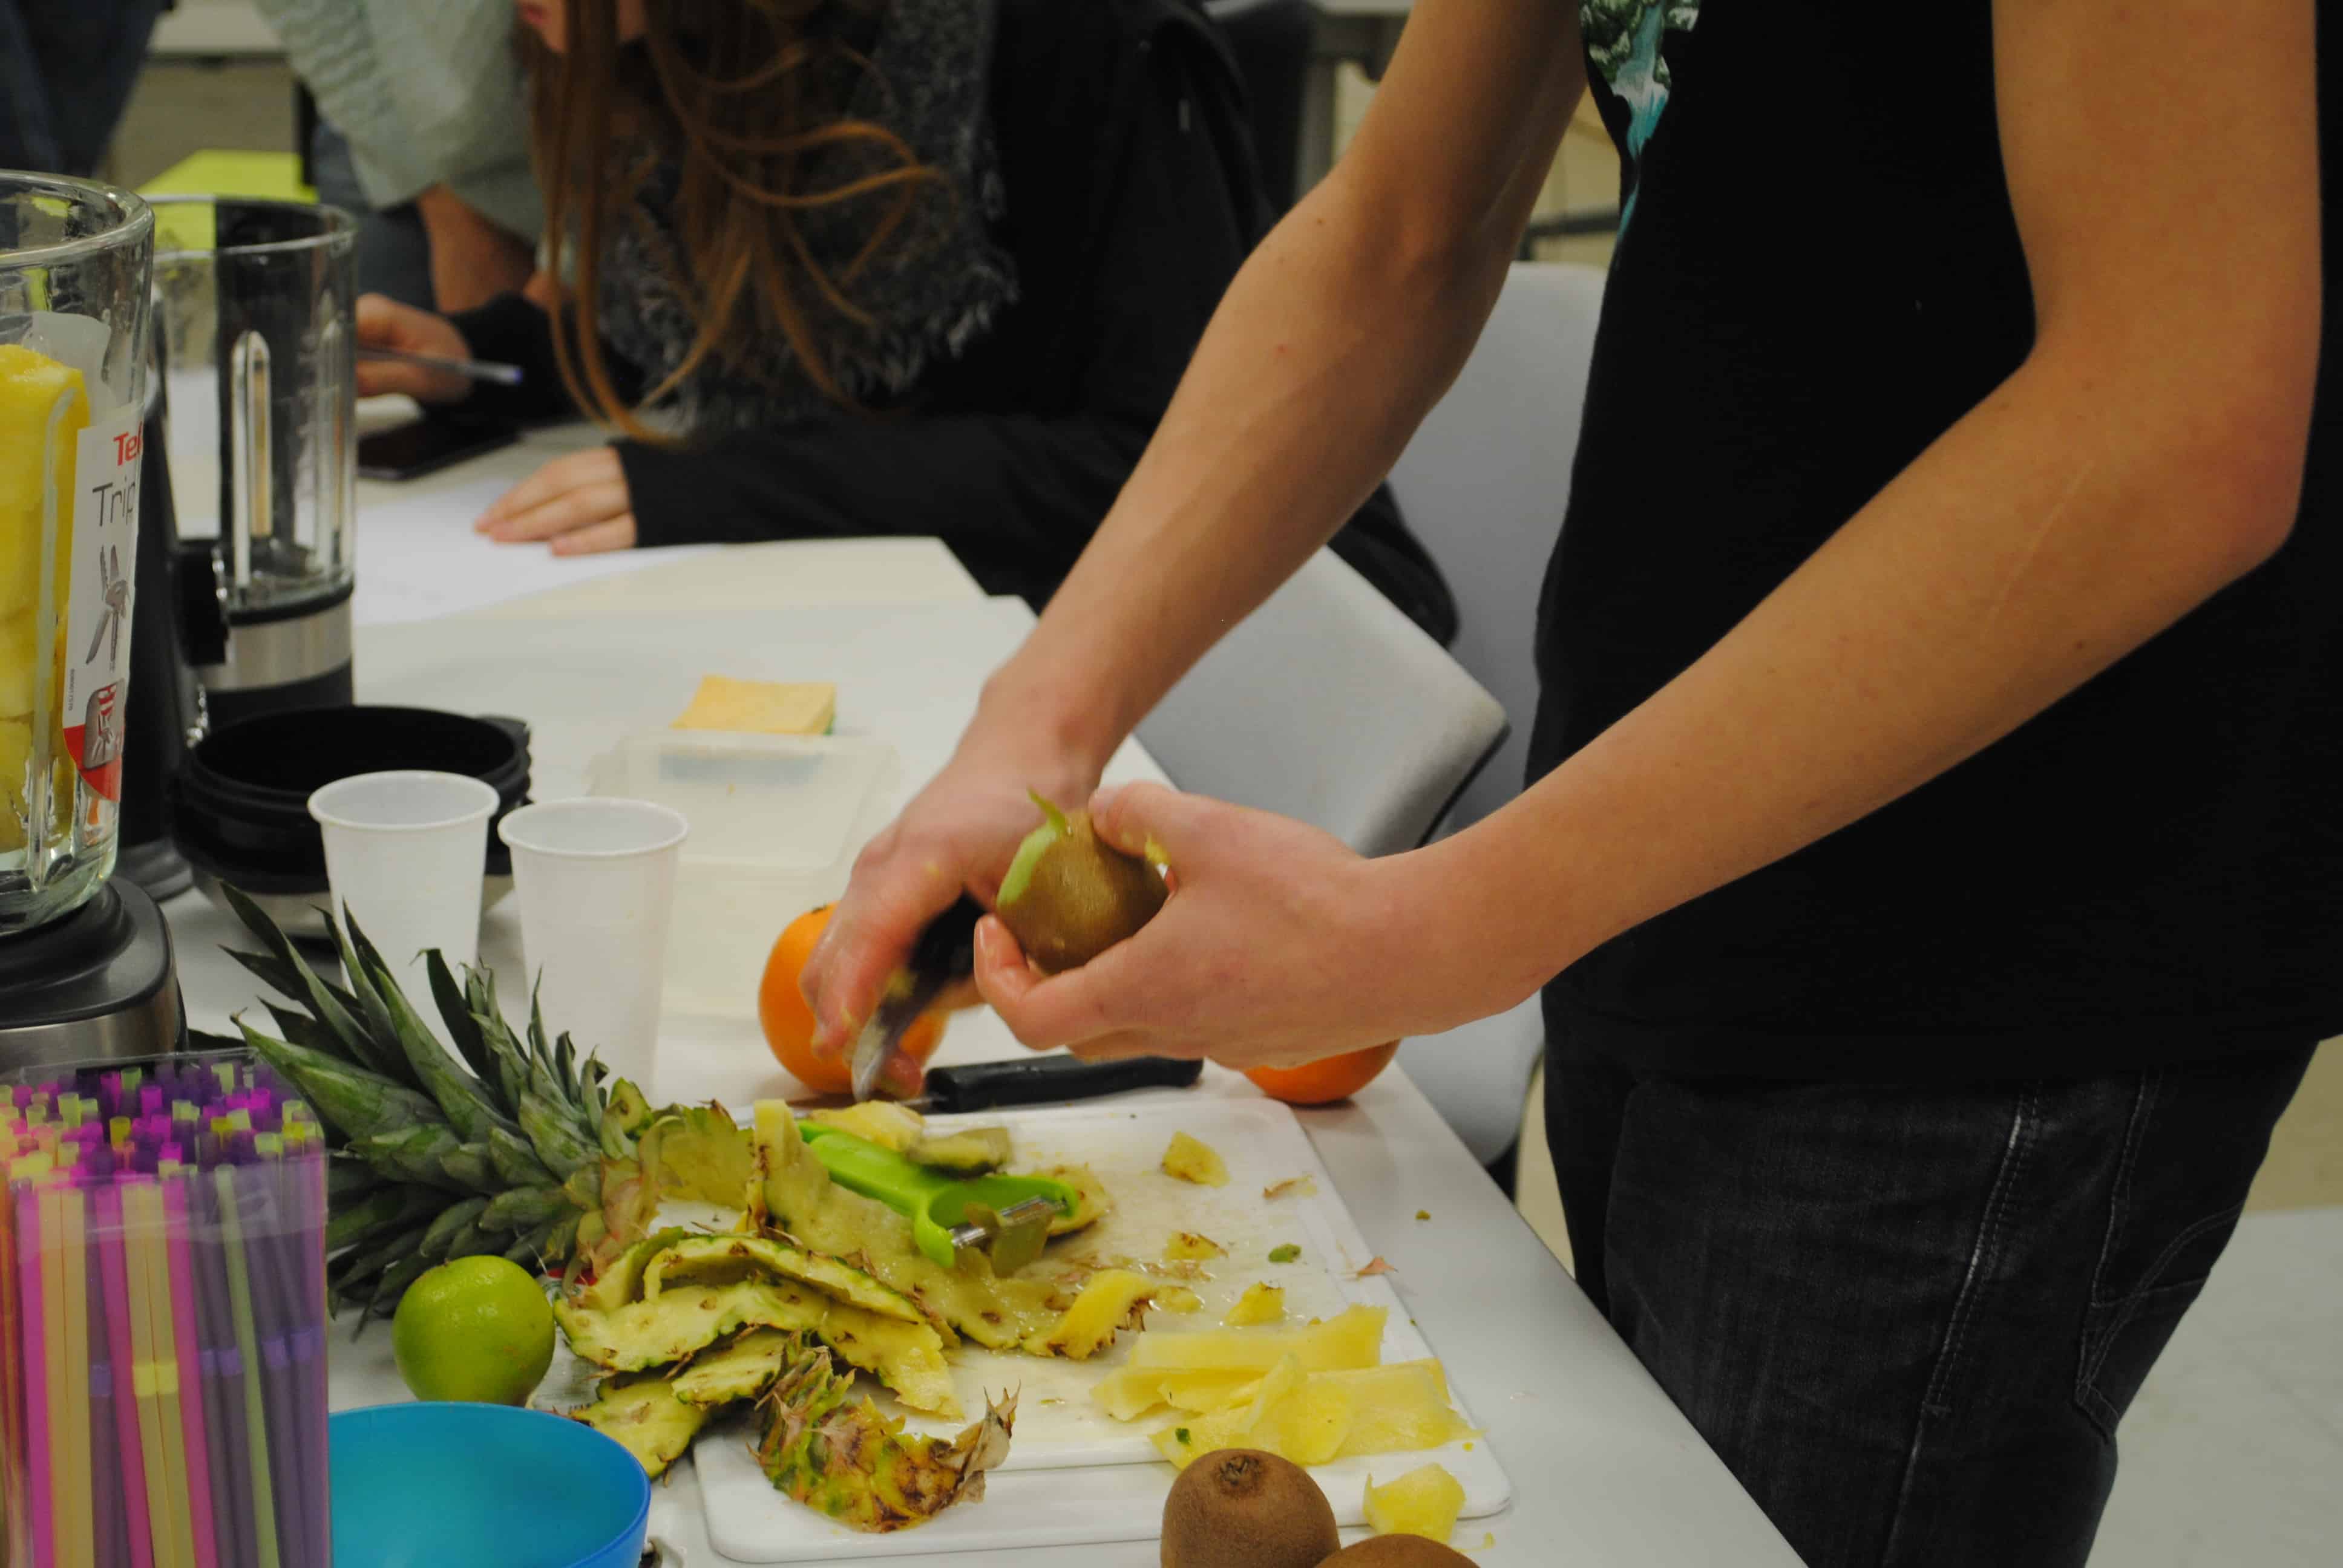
{"x":2153,"y":868}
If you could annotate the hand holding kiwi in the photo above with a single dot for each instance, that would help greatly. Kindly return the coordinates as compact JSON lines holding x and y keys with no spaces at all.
{"x":1069,"y":895}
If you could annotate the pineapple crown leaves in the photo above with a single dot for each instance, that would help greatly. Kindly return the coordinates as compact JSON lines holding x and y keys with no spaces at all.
{"x":510,"y":1145}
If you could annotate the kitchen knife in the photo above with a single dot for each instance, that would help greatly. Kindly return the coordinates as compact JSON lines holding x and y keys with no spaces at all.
{"x":944,"y":955}
{"x":1032,"y":1080}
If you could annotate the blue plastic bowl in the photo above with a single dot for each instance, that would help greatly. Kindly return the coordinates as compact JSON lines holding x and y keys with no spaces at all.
{"x":449,"y":1485}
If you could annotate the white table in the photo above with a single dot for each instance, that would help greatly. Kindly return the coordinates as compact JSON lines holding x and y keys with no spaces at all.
{"x":1605,"y":1468}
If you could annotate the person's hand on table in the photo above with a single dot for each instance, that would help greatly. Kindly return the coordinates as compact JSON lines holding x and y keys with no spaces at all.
{"x":578,"y":504}
{"x":1279,"y":945}
{"x":957,"y":835}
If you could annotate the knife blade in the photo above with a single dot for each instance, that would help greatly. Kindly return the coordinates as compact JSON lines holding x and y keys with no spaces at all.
{"x":943,"y":956}
{"x":1030,"y":1080}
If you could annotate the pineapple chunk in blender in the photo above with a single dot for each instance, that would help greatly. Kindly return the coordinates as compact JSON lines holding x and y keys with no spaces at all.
{"x":31,"y":387}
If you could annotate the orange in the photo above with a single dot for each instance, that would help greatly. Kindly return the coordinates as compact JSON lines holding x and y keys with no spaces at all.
{"x":1329,"y":1079}
{"x":787,"y":1022}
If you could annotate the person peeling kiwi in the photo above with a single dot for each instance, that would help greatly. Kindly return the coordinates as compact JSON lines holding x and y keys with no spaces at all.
{"x":1069,"y":895}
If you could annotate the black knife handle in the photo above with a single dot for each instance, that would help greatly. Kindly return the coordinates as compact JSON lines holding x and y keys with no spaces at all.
{"x":1039,"y":1080}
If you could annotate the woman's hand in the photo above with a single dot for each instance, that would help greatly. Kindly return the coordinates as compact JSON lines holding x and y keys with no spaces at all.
{"x":383,"y":322}
{"x":1278,"y":945}
{"x":957,"y":835}
{"x":578,"y":503}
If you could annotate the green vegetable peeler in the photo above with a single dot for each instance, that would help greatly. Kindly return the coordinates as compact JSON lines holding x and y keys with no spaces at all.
{"x":1007,"y":1217}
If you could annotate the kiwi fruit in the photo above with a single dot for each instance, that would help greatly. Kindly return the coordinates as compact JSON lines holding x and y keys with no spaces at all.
{"x":1070,"y":896}
{"x":1397,"y":1552}
{"x":1242,"y":1508}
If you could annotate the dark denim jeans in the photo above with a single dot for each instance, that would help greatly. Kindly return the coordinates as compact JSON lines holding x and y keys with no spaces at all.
{"x":67,"y":68}
{"x":1909,"y":1318}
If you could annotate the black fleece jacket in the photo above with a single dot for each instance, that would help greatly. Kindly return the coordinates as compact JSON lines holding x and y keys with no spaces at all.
{"x":1133,"y":194}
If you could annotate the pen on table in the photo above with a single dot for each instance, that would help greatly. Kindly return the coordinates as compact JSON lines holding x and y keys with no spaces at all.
{"x":475,"y":369}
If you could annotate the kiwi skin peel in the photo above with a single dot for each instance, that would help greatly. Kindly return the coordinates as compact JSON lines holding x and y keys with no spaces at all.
{"x":1069,"y":895}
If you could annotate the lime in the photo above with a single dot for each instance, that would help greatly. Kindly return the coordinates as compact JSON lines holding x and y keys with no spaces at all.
{"x":478,"y":1328}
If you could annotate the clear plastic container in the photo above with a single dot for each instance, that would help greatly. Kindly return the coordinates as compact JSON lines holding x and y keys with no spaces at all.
{"x":163,"y":1317}
{"x":76,"y":261}
{"x":775,"y":824}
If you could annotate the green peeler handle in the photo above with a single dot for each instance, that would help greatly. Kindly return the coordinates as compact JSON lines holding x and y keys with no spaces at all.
{"x":933,"y":1200}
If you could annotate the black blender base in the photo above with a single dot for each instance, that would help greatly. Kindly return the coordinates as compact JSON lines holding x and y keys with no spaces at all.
{"x":98,"y":985}
{"x":161,"y":872}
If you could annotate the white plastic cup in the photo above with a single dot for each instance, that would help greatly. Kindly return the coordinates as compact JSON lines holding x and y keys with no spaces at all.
{"x":407,"y":852}
{"x":596,"y":883}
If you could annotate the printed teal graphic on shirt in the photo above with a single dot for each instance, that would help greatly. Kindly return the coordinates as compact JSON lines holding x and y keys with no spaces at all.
{"x":1624,"y":45}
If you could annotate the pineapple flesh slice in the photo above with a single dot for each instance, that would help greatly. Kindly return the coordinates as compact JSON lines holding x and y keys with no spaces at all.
{"x":1090,"y":1202}
{"x":1261,"y":1304}
{"x":1192,"y":1161}
{"x":882,"y":1122}
{"x":970,"y":1153}
{"x":1354,"y":1338}
{"x":1398,"y":1409}
{"x":1187,"y":1246}
{"x":1292,"y":1415}
{"x":1106,"y":1303}
{"x":1178,"y":1299}
{"x":1424,"y":1502}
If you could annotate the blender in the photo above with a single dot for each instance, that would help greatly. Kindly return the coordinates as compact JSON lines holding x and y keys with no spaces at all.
{"x":85,"y":967}
{"x":254,"y":304}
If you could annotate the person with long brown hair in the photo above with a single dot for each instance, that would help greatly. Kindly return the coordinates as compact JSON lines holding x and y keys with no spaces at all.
{"x":833,"y":267}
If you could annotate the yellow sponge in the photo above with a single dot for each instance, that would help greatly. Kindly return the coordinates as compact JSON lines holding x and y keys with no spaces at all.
{"x":761,"y":706}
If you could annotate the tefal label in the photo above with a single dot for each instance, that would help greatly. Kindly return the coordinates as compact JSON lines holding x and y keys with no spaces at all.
{"x":104,"y":554}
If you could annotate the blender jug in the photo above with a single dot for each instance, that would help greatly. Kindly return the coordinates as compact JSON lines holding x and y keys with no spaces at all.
{"x":254,"y":302}
{"x":75,"y":268}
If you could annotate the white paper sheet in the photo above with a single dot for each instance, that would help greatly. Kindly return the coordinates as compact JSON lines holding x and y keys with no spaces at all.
{"x":419,"y":557}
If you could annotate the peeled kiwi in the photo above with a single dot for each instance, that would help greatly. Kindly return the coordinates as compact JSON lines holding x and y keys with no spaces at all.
{"x":1242,"y":1508}
{"x":1069,"y":896}
{"x":1397,"y":1552}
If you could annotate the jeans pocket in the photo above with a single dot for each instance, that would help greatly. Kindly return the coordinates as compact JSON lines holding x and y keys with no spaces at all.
{"x":2122,"y":1337}
{"x":2189,"y":1150}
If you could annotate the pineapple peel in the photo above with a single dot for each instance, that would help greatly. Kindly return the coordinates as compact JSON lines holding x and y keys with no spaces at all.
{"x":859,"y":1468}
{"x":678,"y":1324}
{"x":697,"y":1153}
{"x":793,"y":1193}
{"x":645,"y":1415}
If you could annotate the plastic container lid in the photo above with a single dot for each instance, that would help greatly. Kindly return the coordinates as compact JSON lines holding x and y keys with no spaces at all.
{"x":773,"y":802}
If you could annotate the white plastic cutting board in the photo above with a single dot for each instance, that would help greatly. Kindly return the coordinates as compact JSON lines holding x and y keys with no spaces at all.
{"x":1118,"y":1495}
